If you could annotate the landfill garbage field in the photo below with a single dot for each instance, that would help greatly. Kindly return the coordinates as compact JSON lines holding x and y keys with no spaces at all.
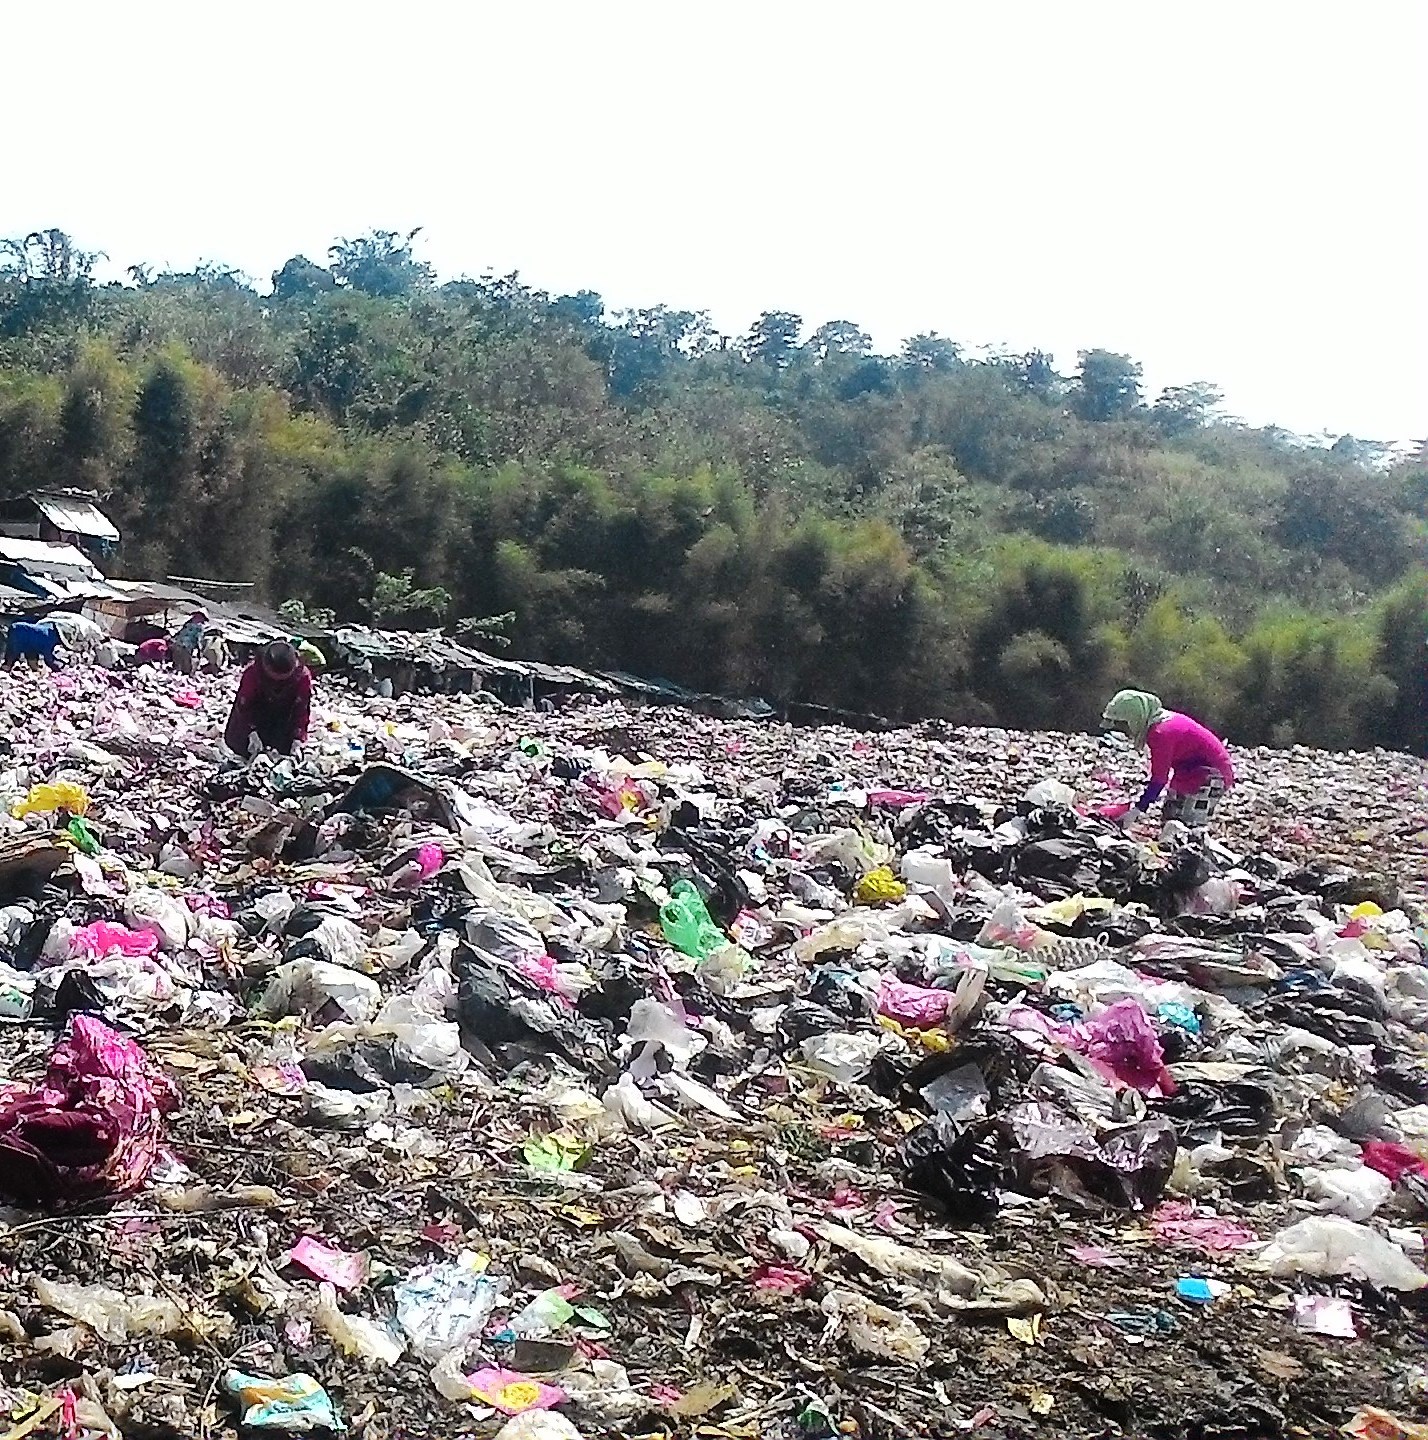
{"x":629,"y":1072}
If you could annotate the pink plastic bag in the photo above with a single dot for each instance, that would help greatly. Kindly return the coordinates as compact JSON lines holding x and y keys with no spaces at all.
{"x":431,"y":858}
{"x":346,"y":1269}
{"x":1394,"y":1161}
{"x":1177,"y":1223}
{"x":513,"y":1393}
{"x":91,"y":1129}
{"x":896,"y":799}
{"x":104,"y":937}
{"x":912,"y":1005}
{"x":1123,"y":1046}
{"x":781,"y":1280}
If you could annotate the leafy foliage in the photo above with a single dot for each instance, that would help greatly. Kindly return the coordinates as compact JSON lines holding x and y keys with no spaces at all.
{"x":787,"y":512}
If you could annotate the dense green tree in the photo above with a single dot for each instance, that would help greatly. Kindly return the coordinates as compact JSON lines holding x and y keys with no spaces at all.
{"x":1107,"y":386}
{"x":773,"y":339}
{"x":380,"y":263}
{"x":300,"y":280}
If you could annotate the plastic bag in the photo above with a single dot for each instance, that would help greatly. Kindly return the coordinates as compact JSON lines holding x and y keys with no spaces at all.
{"x":1121,"y":1044}
{"x":841,"y":1056}
{"x":928,"y":871}
{"x":1394,"y":1161}
{"x":723,"y":970}
{"x":91,"y":1129}
{"x":111,"y":1315}
{"x":153,"y":910}
{"x":443,"y":1307}
{"x":513,"y":1393}
{"x":356,"y":1335}
{"x":321,"y":992}
{"x":1353,"y":1193}
{"x":291,"y":1402}
{"x":53,"y":795}
{"x":912,"y":1005}
{"x":1328,"y":1245}
{"x":874,"y":1329}
{"x":538,"y":1425}
{"x":846,"y":933}
{"x":626,"y":1108}
{"x":104,"y":937}
{"x":542,"y":1316}
{"x":655,"y":1026}
{"x":903,"y":1262}
{"x":687,"y":924}
{"x":345,"y":1269}
{"x":879,"y":887}
{"x":851,"y":849}
{"x":1051,"y":794}
{"x":1007,"y":926}
{"x":1371,"y":1423}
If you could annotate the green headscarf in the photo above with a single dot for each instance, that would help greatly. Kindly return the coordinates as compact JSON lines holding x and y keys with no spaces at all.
{"x":1136,"y":711}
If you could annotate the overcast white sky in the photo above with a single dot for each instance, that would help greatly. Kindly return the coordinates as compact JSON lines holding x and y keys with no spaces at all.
{"x":1228,"y":191}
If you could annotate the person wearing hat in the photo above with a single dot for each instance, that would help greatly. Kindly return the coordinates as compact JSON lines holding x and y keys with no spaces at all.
{"x":1188,"y":763}
{"x":272,"y":708}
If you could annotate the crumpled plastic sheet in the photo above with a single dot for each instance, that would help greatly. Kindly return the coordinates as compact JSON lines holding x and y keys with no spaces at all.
{"x":91,"y":1129}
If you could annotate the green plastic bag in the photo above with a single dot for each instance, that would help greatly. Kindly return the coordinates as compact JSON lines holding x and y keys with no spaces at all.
{"x":687,"y":924}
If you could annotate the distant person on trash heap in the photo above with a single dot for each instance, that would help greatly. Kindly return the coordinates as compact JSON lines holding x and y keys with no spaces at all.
{"x":32,"y":642}
{"x":153,"y":652}
{"x":1188,"y":763}
{"x":271,"y":708}
{"x":188,"y":641}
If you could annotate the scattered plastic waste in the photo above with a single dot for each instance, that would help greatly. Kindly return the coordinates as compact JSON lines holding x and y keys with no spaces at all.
{"x":868,"y":1050}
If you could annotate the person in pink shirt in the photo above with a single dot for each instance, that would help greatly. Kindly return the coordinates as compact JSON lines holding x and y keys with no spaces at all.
{"x":1188,"y":763}
{"x":271,"y":710}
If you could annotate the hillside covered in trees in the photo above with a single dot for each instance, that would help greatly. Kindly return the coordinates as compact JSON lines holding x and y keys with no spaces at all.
{"x":784,"y":512}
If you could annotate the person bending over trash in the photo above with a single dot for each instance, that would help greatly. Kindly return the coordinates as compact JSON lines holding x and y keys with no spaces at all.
{"x":188,"y":642}
{"x":271,"y":708}
{"x":157,"y":651}
{"x":32,"y":642}
{"x":1186,"y":760}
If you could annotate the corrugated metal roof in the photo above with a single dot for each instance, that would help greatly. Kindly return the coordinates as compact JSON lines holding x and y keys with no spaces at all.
{"x":43,"y":556}
{"x":78,"y":516}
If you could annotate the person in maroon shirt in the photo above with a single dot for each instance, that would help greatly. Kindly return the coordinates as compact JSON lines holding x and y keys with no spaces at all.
{"x":272,"y":707}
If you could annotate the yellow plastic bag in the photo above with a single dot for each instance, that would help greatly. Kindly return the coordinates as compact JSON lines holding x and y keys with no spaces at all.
{"x":878,"y":887}
{"x":53,"y":795}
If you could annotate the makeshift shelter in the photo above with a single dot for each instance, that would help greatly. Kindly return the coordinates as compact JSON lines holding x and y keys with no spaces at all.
{"x":61,"y":517}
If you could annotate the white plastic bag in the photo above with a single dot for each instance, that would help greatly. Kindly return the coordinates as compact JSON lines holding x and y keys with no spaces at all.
{"x":1051,"y":793}
{"x":444,"y":1307}
{"x":841,"y":1056}
{"x":1353,"y":1192}
{"x":169,"y":919}
{"x":356,"y":1335}
{"x":1329,"y":1245}
{"x":316,"y":989}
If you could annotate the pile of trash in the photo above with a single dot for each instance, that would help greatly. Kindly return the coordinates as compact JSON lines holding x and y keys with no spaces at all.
{"x":617,"y":1071}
